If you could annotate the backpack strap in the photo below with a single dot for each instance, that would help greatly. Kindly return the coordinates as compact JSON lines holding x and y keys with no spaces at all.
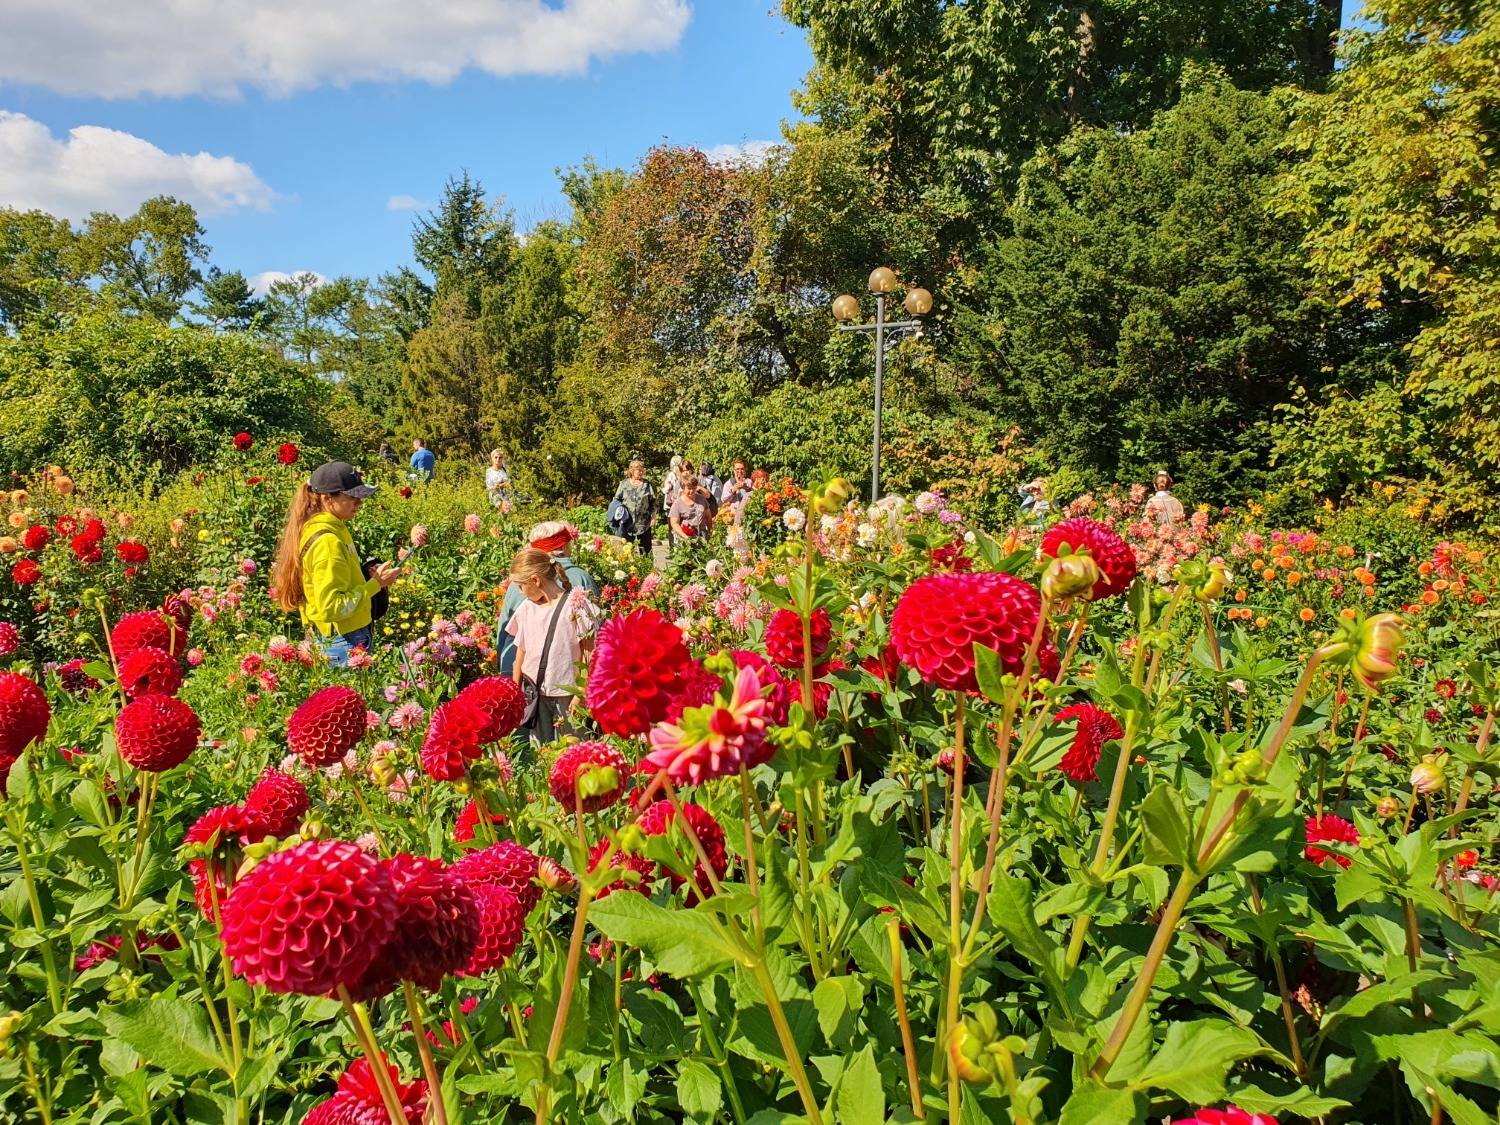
{"x":541,"y":665}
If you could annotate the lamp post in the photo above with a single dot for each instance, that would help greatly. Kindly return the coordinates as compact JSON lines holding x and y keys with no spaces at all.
{"x":846,"y":311}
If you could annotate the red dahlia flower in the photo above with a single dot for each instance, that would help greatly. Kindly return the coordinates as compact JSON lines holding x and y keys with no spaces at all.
{"x":10,"y":639}
{"x":506,"y":864}
{"x":26,"y":573}
{"x":310,"y":919}
{"x":951,"y":558}
{"x":468,"y":821}
{"x":225,"y":829}
{"x":452,"y":740}
{"x":131,"y":552}
{"x":502,"y":702}
{"x":635,"y":870}
{"x":502,"y":924}
{"x":24,"y":714}
{"x":243,"y":441}
{"x":940,"y":618}
{"x":179,"y":609}
{"x":149,"y":671}
{"x":85,"y":550}
{"x":1232,"y":1115}
{"x":437,"y":925}
{"x":36,"y":537}
{"x":1329,"y":827}
{"x":590,"y":775}
{"x":150,"y":628}
{"x":822,"y":690}
{"x":713,"y":741}
{"x":637,"y":667}
{"x":697,"y":688}
{"x":75,"y":680}
{"x":327,"y":725}
{"x":278,"y":799}
{"x":1096,"y":726}
{"x":359,"y":1102}
{"x":775,"y":687}
{"x":784,"y":637}
{"x":287,"y":454}
{"x":657,"y":821}
{"x":1113,"y":556}
{"x":156,"y":732}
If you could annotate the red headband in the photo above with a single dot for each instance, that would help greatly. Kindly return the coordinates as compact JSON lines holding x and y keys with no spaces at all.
{"x":556,"y":542}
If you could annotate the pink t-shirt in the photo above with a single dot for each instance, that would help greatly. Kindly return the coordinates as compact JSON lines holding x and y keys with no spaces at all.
{"x":529,"y":625}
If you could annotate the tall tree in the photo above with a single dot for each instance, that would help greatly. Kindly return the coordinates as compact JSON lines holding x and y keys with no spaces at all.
{"x":39,"y":267}
{"x":228,"y":303}
{"x":147,"y":262}
{"x":448,"y":373}
{"x":467,"y":243}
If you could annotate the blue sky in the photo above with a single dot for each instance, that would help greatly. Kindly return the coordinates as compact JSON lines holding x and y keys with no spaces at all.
{"x":306,"y":131}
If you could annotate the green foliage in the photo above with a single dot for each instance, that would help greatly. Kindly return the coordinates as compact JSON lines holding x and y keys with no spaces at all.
{"x":148,"y":262}
{"x":130,"y":399}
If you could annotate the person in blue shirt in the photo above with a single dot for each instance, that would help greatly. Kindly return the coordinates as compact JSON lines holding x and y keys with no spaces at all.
{"x":556,"y":539}
{"x":422,"y":460}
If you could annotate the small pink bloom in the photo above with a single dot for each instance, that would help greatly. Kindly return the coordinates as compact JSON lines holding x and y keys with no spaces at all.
{"x":195,"y":657}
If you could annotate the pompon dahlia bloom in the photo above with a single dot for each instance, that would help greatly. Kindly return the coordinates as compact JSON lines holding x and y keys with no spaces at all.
{"x":437,"y":926}
{"x":784,"y":637}
{"x":589,"y":776}
{"x":226,"y":829}
{"x":327,"y":725}
{"x":242,"y":441}
{"x":502,"y":702}
{"x":156,"y":732}
{"x":278,"y":799}
{"x":636,"y":668}
{"x":502,"y":924}
{"x":940,"y":618}
{"x":822,"y":691}
{"x":150,"y":628}
{"x":468,"y":822}
{"x":149,"y":671}
{"x":26,"y":573}
{"x":1230,"y":1115}
{"x":506,"y":864}
{"x":774,"y":687}
{"x":657,"y":821}
{"x":713,"y":741}
{"x":1113,"y":556}
{"x":359,"y":1102}
{"x":10,"y":639}
{"x":1329,"y":827}
{"x":1095,"y":727}
{"x":132,"y":552}
{"x":635,"y":870}
{"x":36,"y":537}
{"x":75,"y":680}
{"x":24,"y":714}
{"x":310,"y":919}
{"x":697,"y":688}
{"x":287,"y":453}
{"x":452,"y":740}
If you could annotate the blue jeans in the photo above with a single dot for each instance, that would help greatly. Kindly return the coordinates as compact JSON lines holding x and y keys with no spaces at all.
{"x":338,"y":647}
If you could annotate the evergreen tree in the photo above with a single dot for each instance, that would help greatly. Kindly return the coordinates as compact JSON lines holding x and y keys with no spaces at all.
{"x":229,"y":304}
{"x":448,"y":373}
{"x":467,"y":243}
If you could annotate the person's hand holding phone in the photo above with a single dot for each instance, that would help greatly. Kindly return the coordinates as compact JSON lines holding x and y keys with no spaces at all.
{"x":386,"y":573}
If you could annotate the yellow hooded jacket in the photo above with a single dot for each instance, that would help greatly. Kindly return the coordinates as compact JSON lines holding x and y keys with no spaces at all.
{"x":336,"y":594}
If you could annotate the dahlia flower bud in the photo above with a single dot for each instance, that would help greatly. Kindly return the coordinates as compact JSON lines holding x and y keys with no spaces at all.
{"x":979,"y":1053}
{"x":554,"y":876}
{"x":1377,"y":642}
{"x":1429,"y":775}
{"x":834,"y":496}
{"x":1070,"y":576}
{"x":1387,"y":807}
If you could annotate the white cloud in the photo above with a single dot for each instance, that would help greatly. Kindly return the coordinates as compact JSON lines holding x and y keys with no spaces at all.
{"x":177,"y":48}
{"x":93,"y":169}
{"x":745,"y":153}
{"x":261,"y":283}
{"x":406,"y":203}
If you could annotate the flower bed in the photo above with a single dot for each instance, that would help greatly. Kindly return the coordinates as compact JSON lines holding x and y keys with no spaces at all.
{"x":872,"y":815}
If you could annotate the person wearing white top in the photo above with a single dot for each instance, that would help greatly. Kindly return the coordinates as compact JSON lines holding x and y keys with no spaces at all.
{"x":497,"y":480}
{"x":1163,"y":507}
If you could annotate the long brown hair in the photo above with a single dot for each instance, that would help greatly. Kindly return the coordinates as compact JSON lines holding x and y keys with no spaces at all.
{"x":286,"y":571}
{"x":532,"y":563}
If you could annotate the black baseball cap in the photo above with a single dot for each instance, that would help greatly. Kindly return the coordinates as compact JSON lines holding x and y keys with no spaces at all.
{"x":340,"y":477}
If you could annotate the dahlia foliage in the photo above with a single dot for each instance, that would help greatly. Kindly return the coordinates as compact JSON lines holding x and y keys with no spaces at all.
{"x":903,"y":818}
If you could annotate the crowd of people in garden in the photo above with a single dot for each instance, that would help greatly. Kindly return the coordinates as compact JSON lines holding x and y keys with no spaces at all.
{"x":548,"y":616}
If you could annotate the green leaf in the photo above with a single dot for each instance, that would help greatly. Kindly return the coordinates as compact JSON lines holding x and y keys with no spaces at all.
{"x":1168,"y":833}
{"x":861,"y":1098}
{"x":698,"y":1090}
{"x":171,"y":1034}
{"x":836,"y":999}
{"x":989,"y":673}
{"x":1194,"y":1059}
{"x":682,"y":943}
{"x":1099,"y":1105}
{"x":1011,"y":910}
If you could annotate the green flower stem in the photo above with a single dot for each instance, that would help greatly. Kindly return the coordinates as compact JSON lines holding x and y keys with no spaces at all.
{"x":364,"y":807}
{"x":232,"y":1016}
{"x":34,"y":1084}
{"x":908,"y":1046}
{"x":359,"y":1020}
{"x":751,"y":874}
{"x":424,"y":1052}
{"x":692,"y":835}
{"x":1481,"y":748}
{"x":208,"y":1003}
{"x":34,"y":901}
{"x":949,"y":1016}
{"x":1333,"y":737}
{"x":1136,"y":1001}
{"x":788,"y":1043}
{"x":486,"y":823}
{"x":717,"y":1053}
{"x":1218,"y":657}
{"x":1288,"y":1017}
{"x":1359,"y":736}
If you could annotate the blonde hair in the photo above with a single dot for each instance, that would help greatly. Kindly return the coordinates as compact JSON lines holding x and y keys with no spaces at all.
{"x":286,"y":571}
{"x":497,"y":454}
{"x":531,"y":563}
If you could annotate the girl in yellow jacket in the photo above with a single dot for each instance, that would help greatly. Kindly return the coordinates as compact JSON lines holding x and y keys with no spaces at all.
{"x":318,"y":572}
